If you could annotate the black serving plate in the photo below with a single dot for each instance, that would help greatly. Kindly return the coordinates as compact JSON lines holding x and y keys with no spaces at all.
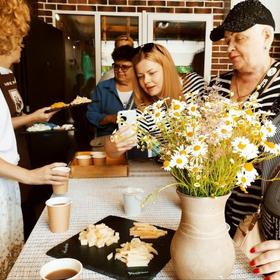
{"x":96,"y":258}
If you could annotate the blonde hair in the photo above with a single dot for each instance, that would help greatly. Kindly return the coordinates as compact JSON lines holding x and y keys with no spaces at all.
{"x":123,"y":40}
{"x":14,"y":18}
{"x":171,"y":82}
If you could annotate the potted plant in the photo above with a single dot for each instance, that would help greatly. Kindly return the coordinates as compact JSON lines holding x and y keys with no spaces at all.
{"x":210,"y":144}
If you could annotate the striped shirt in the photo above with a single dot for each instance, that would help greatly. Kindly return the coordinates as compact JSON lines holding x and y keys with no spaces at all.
{"x":240,"y":204}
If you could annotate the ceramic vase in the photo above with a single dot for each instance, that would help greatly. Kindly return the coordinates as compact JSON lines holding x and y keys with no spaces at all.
{"x":201,"y":247}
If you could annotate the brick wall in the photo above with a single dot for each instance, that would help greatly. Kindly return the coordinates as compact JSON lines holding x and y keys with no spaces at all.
{"x":220,"y":63}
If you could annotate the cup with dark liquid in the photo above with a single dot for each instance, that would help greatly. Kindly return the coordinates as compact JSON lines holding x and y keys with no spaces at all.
{"x":61,"y":269}
{"x":58,"y":213}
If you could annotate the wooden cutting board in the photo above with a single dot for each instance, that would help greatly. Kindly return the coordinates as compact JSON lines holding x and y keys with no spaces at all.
{"x":113,"y":168}
{"x":96,"y":258}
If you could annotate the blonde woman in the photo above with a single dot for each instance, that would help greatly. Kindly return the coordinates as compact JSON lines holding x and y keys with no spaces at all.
{"x":158,"y":79}
{"x":14,"y":18}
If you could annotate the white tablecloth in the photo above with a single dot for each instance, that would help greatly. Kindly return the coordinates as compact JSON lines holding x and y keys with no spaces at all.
{"x":94,"y":199}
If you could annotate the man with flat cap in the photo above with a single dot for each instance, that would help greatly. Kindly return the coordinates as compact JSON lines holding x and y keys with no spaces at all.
{"x":248,"y":32}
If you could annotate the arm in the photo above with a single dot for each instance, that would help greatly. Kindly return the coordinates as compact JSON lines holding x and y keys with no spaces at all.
{"x":37,"y":116}
{"x":109,"y":119}
{"x":120,"y":142}
{"x":94,"y":110}
{"x":268,"y":260}
{"x":38,"y":176}
{"x":95,"y":113}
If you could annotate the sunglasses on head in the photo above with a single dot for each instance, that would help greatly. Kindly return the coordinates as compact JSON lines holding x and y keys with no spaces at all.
{"x":146,"y":48}
{"x":122,"y":67}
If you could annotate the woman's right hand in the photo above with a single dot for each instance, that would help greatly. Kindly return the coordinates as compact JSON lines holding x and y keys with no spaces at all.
{"x":46,"y":175}
{"x":40,"y":115}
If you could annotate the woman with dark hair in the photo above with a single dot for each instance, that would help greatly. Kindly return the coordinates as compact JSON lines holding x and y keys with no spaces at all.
{"x":115,"y":94}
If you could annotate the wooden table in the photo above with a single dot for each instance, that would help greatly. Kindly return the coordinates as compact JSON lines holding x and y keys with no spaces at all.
{"x":94,"y":199}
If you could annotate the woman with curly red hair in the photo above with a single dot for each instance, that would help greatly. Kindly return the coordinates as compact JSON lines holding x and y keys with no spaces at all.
{"x":14,"y":18}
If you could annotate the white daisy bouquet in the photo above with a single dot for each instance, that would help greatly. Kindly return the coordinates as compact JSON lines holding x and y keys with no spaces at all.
{"x":210,"y":144}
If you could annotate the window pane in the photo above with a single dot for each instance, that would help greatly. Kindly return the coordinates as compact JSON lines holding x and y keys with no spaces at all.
{"x":79,"y":53}
{"x":185,"y":41}
{"x":111,"y":28}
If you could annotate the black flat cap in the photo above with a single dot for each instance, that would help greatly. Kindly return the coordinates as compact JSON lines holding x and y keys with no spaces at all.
{"x":243,"y":16}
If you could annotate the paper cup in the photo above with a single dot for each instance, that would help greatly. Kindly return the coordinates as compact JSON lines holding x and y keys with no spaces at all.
{"x":65,"y":268}
{"x":99,"y":157}
{"x":63,"y":188}
{"x":84,"y":160}
{"x":58,"y":213}
{"x":132,"y":198}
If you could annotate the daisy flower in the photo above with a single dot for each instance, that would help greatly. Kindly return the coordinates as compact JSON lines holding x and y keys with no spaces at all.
{"x":268,"y":129}
{"x":158,"y":105}
{"x":198,"y":149}
{"x":271,"y":147}
{"x":249,"y":170}
{"x":193,"y":109}
{"x":239,"y":144}
{"x":224,"y":131}
{"x":177,"y":106}
{"x":243,"y":147}
{"x":158,"y":115}
{"x":243,"y":179}
{"x":178,"y":161}
{"x":250,"y":152}
{"x":182,"y":150}
{"x":166,"y":165}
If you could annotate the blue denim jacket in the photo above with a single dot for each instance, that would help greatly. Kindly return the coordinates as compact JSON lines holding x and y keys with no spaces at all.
{"x":108,"y":103}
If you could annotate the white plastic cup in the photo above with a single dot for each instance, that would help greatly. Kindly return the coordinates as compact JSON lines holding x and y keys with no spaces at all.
{"x":132,"y":198}
{"x":63,"y":266}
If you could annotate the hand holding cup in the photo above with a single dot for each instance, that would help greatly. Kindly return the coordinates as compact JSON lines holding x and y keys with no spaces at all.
{"x":63,"y":187}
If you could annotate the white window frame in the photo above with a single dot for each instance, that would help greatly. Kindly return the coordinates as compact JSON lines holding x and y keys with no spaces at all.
{"x":207,"y":18}
{"x":97,"y":31}
{"x":146,"y":31}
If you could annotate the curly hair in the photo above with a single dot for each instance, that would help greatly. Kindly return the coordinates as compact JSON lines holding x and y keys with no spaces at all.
{"x":14,"y":18}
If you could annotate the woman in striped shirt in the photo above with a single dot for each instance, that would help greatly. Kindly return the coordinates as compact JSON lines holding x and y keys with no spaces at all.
{"x":158,"y":79}
{"x":248,"y":33}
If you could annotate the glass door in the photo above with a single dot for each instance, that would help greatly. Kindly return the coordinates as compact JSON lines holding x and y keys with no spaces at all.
{"x":111,"y":28}
{"x":80,"y":57}
{"x":186,"y":37}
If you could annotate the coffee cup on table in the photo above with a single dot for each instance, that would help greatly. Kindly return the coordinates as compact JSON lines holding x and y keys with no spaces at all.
{"x":58,"y":213}
{"x":84,"y":160}
{"x":62,"y":188}
{"x":132,"y":198}
{"x":99,"y":157}
{"x":64,"y":268}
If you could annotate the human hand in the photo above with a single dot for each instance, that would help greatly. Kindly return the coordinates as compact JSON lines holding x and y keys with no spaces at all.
{"x":124,"y":139}
{"x":40,"y":115}
{"x":46,"y":175}
{"x":109,"y":119}
{"x":268,"y":260}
